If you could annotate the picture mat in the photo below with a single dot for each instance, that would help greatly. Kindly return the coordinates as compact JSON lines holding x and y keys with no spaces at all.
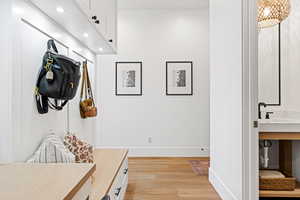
{"x":179,"y":76}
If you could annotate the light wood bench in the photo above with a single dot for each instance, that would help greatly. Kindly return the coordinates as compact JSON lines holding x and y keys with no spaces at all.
{"x":107,"y":176}
{"x":46,"y":181}
{"x":111,"y":176}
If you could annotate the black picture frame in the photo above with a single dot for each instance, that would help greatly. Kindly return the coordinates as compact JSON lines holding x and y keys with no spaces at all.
{"x":141,"y":80}
{"x":191,"y":93}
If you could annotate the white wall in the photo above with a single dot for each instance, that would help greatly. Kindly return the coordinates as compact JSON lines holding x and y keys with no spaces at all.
{"x":5,"y":81}
{"x":32,"y":30}
{"x":226,"y":63}
{"x":291,"y":59}
{"x":178,"y":125}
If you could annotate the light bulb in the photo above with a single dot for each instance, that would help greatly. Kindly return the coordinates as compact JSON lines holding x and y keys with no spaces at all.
{"x":267,"y":11}
{"x":60,"y":9}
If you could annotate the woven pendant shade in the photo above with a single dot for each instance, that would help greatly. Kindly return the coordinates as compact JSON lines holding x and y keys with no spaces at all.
{"x":272,"y":12}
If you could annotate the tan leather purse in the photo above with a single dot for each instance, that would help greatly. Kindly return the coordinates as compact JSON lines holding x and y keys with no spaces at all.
{"x":87,"y":104}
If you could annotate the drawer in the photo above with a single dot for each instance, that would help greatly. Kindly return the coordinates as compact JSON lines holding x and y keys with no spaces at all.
{"x":85,"y":191}
{"x":122,"y":173}
{"x":124,"y":188}
{"x":119,"y":185}
{"x":119,"y":192}
{"x":124,"y":169}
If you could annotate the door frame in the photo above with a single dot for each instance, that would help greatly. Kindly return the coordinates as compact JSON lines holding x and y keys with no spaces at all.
{"x":250,"y":101}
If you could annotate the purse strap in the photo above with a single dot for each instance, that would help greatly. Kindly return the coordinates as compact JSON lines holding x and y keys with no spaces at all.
{"x":41,"y":101}
{"x":83,"y":83}
{"x":42,"y":104}
{"x":89,"y":86}
{"x":57,"y":105}
{"x":86,"y":87}
{"x":51,"y":46}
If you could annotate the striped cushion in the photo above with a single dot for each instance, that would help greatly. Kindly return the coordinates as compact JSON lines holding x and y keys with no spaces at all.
{"x":52,"y":150}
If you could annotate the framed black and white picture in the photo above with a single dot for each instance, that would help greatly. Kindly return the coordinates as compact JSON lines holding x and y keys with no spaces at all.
{"x":179,"y":78}
{"x":129,"y":79}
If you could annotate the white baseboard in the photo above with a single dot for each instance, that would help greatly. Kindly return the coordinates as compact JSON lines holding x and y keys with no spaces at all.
{"x":163,"y":151}
{"x":220,"y":187}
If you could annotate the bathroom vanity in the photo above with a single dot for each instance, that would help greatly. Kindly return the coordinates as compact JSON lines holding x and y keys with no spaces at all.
{"x":285,"y":131}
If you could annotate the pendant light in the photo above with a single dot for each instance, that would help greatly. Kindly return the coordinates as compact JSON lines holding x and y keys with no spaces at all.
{"x":272,"y":12}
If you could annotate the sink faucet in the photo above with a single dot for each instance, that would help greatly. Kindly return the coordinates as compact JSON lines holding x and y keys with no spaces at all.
{"x":259,"y":108}
{"x":268,"y":115}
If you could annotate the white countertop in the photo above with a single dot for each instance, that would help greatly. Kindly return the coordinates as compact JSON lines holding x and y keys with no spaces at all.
{"x":279,"y":125}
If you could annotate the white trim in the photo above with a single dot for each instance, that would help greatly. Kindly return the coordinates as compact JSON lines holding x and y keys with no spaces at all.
{"x":220,"y":187}
{"x":6,"y":49}
{"x":162,"y":151}
{"x":250,"y":96}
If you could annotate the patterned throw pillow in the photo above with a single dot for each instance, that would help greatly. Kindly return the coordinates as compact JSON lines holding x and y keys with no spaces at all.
{"x":82,"y":150}
{"x":52,"y":150}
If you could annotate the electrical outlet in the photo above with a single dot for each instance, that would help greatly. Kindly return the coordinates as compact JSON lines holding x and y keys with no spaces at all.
{"x":149,"y":140}
{"x":204,"y":149}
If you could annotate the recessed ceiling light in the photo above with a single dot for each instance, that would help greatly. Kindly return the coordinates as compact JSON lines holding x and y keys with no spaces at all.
{"x":101,"y":49}
{"x":60,"y":9}
{"x":85,"y":35}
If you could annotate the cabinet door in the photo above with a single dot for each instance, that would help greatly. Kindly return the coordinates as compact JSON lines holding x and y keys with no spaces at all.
{"x":112,"y":19}
{"x":99,"y":9}
{"x":85,"y":6}
{"x":106,"y":11}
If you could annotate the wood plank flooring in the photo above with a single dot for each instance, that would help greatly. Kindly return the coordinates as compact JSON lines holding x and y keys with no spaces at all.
{"x":167,"y":179}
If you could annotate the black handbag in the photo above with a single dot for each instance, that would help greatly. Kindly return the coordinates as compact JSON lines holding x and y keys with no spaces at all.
{"x":58,"y":79}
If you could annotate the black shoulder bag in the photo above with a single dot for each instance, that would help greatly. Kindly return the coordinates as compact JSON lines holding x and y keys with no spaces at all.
{"x":58,"y":79}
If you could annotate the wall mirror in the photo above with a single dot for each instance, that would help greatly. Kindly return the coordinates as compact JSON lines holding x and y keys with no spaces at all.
{"x":269,"y":66}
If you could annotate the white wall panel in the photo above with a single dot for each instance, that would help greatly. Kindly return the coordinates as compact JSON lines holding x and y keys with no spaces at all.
{"x":226,"y":81}
{"x":32,"y":29}
{"x":6,"y":138}
{"x":34,"y":126}
{"x":84,"y":128}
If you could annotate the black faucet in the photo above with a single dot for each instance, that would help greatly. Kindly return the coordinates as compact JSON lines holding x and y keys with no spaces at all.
{"x":259,"y":108}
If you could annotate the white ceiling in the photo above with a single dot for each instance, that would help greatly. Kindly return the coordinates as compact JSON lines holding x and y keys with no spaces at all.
{"x":163,"y":4}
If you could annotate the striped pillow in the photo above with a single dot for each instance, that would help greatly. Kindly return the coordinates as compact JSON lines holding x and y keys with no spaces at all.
{"x":52,"y":150}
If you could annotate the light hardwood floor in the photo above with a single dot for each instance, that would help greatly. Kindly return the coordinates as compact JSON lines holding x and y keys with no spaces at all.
{"x":166,"y":179}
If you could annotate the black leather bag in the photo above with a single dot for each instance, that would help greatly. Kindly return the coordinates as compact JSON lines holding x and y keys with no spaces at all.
{"x":58,"y":79}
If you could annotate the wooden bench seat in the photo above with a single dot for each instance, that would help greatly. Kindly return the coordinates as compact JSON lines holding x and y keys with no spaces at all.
{"x":45,"y":181}
{"x":111,"y":177}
